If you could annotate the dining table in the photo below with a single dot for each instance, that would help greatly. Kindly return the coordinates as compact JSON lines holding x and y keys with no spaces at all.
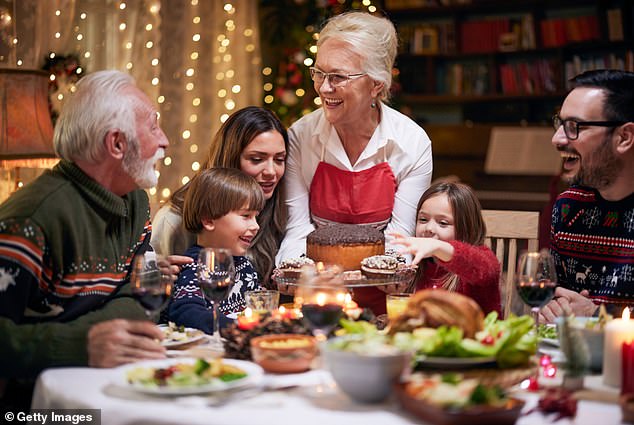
{"x":305,"y":398}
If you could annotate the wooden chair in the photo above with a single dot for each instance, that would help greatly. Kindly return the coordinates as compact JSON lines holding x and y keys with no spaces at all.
{"x":504,"y":230}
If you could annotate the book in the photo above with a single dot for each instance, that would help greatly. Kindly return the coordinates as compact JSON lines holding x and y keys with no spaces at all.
{"x":615,"y":24}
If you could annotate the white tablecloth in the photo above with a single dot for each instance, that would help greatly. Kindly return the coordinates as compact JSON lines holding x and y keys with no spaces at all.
{"x":318,"y":401}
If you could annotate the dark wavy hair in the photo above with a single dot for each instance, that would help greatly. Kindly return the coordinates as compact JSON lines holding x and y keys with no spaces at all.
{"x":233,"y":136}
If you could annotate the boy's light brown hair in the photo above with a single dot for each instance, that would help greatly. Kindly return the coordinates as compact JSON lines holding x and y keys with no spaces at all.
{"x":215,"y":192}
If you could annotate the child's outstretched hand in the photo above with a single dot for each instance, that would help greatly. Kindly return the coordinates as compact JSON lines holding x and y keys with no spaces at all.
{"x":422,"y":247}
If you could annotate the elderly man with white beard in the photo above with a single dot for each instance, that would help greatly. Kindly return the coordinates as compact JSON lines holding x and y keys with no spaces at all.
{"x":592,"y":232}
{"x":67,"y":239}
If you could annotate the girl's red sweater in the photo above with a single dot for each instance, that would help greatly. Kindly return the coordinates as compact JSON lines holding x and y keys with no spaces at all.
{"x":478,"y":270}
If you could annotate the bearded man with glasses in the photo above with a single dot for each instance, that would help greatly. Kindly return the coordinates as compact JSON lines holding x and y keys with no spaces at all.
{"x":592,"y":233}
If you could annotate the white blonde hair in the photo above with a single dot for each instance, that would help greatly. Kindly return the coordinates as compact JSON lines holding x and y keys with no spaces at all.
{"x":371,"y":37}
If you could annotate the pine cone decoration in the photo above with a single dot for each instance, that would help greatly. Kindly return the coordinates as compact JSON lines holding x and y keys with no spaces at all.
{"x":238,"y":342}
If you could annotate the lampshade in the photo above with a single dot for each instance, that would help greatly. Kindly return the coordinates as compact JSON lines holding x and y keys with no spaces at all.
{"x":26,"y":130}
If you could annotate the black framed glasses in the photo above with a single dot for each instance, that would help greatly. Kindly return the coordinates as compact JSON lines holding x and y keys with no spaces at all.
{"x":571,"y":127}
{"x":336,"y":79}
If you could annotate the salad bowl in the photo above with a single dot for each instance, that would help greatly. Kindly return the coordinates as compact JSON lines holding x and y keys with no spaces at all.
{"x":453,"y":399}
{"x":504,"y":413}
{"x":364,"y":370}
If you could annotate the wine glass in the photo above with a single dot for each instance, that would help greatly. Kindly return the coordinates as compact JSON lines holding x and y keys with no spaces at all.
{"x":216,"y":272}
{"x":536,"y":283}
{"x":150,"y":287}
{"x":321,"y":294}
{"x":536,"y":280}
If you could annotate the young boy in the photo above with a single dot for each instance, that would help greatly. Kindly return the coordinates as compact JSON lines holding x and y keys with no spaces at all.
{"x":220,"y":207}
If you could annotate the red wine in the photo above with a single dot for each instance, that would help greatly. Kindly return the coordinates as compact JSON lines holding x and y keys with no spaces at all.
{"x":536,"y":294}
{"x":216,"y":291}
{"x":151,"y":299}
{"x":322,"y":316}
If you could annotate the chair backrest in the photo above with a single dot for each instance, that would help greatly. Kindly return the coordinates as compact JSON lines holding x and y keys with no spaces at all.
{"x":504,"y":230}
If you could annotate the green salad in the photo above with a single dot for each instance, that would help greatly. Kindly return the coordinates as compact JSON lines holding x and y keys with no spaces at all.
{"x":547,"y":331}
{"x":509,"y":341}
{"x":453,"y":391}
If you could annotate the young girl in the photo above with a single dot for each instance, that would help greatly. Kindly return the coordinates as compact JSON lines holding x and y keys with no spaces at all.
{"x":449,"y":246}
{"x":220,"y":208}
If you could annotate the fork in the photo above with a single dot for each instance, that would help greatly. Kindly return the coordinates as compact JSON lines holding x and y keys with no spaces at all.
{"x":220,"y":399}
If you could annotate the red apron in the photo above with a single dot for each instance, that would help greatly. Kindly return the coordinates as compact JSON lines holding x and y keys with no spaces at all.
{"x":354,"y":197}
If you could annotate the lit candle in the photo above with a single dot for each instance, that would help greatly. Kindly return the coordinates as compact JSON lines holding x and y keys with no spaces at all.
{"x":617,"y":332}
{"x":285,"y":313}
{"x":321,"y":298}
{"x":248,"y":320}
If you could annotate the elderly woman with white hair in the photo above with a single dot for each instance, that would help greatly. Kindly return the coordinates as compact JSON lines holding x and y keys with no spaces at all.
{"x":354,"y":160}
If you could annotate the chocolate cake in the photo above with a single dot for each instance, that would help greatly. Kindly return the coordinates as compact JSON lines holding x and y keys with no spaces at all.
{"x":344,"y":244}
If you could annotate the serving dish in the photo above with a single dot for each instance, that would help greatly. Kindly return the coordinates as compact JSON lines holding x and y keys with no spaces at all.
{"x":506,"y":414}
{"x":402,"y":276}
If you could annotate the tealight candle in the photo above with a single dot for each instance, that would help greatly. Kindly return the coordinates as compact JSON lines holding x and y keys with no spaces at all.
{"x":348,"y":303}
{"x":285,"y":313}
{"x":617,"y":332}
{"x":248,"y":320}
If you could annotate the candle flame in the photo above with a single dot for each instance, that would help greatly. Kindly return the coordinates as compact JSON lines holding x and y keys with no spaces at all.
{"x":626,"y":314}
{"x":248,"y":312}
{"x":347,"y":298}
{"x":342,"y":297}
{"x":321,"y":298}
{"x":282,"y":310}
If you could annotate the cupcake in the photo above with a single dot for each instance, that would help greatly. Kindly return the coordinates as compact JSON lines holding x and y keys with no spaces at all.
{"x":379,"y":266}
{"x":292,"y":267}
{"x":400,"y":258}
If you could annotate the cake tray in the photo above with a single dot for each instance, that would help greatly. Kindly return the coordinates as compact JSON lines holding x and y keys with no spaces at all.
{"x":354,"y":279}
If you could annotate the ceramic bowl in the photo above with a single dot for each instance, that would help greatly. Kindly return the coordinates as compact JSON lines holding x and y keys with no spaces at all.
{"x":367,"y":378}
{"x":284,"y":353}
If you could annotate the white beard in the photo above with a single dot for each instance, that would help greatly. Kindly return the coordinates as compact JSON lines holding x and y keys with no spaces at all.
{"x":142,"y":173}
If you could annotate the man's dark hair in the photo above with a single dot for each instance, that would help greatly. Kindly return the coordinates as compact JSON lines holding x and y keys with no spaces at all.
{"x":619,"y":88}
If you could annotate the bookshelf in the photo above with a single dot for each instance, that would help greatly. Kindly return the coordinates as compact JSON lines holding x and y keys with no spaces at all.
{"x":468,"y":67}
{"x":502,"y":61}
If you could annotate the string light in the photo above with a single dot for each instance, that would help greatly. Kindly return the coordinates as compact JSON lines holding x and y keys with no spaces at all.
{"x":306,"y":59}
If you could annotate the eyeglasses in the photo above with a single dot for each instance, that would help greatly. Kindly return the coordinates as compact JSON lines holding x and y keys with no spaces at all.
{"x":571,"y":127}
{"x":335,"y":79}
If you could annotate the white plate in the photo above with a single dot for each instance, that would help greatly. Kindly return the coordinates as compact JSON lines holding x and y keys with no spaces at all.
{"x":456,"y":362}
{"x":550,"y":341}
{"x":193,"y":335}
{"x":253,"y":371}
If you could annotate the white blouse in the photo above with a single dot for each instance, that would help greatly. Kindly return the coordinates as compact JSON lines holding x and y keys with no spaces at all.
{"x":408,"y":151}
